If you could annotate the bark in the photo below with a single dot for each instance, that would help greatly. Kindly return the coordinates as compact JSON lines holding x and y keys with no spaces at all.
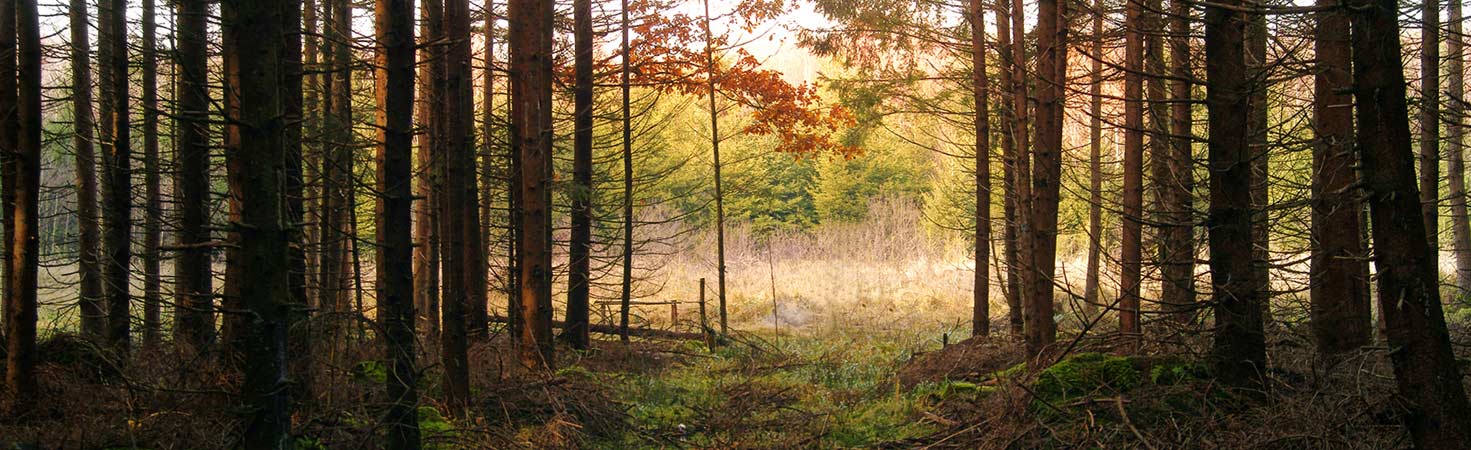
{"x":292,"y":76}
{"x":394,"y":24}
{"x":89,"y":271}
{"x":487,"y":150}
{"x":1177,"y":294}
{"x":711,"y":79}
{"x":1095,"y":168}
{"x":1339,"y":296}
{"x":626,"y":278}
{"x":336,"y":169}
{"x":1239,"y":350}
{"x":264,"y":236}
{"x":153,"y":202}
{"x":450,"y":143}
{"x":531,"y":119}
{"x":1430,"y":123}
{"x":21,"y":122}
{"x":1026,"y":269}
{"x":579,"y":248}
{"x":1409,"y":293}
{"x":981,"y":309}
{"x":193,"y":284}
{"x":1455,"y":146}
{"x":1256,"y":130}
{"x":1131,"y":252}
{"x":426,"y":221}
{"x":1051,"y":75}
{"x":1011,"y":135}
{"x":1162,"y":165}
{"x":461,"y":125}
{"x":117,"y":217}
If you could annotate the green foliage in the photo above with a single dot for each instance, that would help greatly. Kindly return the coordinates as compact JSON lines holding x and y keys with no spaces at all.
{"x":370,"y":371}
{"x":1086,"y":373}
{"x":845,"y":186}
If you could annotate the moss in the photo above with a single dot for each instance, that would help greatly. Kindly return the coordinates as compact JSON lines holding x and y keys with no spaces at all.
{"x":435,"y":431}
{"x":1172,"y":372}
{"x":1086,"y":373}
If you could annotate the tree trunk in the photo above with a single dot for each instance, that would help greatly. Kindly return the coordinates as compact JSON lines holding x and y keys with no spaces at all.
{"x":1095,"y":168}
{"x":1012,"y":133}
{"x":453,"y":124}
{"x":1339,"y":295}
{"x":394,"y":24}
{"x":1132,"y":248}
{"x":1256,"y":131}
{"x":1455,"y":147}
{"x":1409,"y":293}
{"x":461,"y":123}
{"x":89,"y":272}
{"x":426,"y":220}
{"x":1177,"y":295}
{"x":1046,"y":178}
{"x":264,"y":236}
{"x":1430,"y":124}
{"x":710,"y":74}
{"x":22,"y":171}
{"x":117,"y":217}
{"x":153,"y":201}
{"x":1022,"y":166}
{"x":193,"y":284}
{"x":531,"y":116}
{"x":1161,"y":161}
{"x":626,"y":278}
{"x":1239,"y":350}
{"x":981,"y":309}
{"x":582,"y":194}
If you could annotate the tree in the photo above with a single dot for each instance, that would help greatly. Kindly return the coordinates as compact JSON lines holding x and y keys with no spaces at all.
{"x":531,"y":126}
{"x":153,"y":200}
{"x":257,"y":41}
{"x":1339,"y":296}
{"x":1133,"y":199}
{"x":1455,"y":146}
{"x":578,"y":276}
{"x":1177,"y":253}
{"x":452,"y":128}
{"x":626,"y":286}
{"x":1239,"y":350}
{"x":426,"y":221}
{"x":1257,"y":125}
{"x":1095,"y":164}
{"x":981,"y":307}
{"x":117,"y":185}
{"x":193,"y":286}
{"x":21,"y":136}
{"x":89,"y":273}
{"x":1430,"y":122}
{"x":393,"y":20}
{"x":1409,"y":293}
{"x":1013,"y":154}
{"x":1046,"y":176}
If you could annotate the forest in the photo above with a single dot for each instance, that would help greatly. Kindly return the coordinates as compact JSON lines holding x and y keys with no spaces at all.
{"x":734,"y":224}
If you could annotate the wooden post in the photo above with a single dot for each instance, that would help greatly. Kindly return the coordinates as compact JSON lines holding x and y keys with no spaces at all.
{"x":705,"y":326}
{"x":673,"y":313}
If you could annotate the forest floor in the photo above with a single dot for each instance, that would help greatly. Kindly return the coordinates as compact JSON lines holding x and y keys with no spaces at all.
{"x":838,"y":387}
